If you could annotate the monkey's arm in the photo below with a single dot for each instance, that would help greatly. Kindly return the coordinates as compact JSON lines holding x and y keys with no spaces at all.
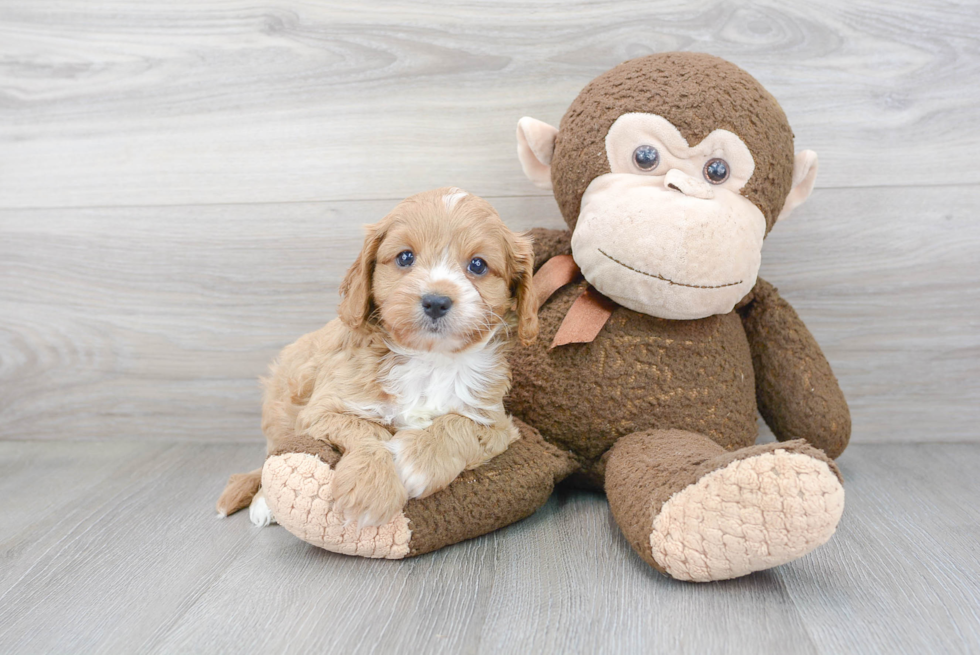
{"x":550,"y":243}
{"x":797,"y":393}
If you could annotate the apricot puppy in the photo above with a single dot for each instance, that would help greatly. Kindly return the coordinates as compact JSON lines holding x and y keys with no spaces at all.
{"x":408,"y":382}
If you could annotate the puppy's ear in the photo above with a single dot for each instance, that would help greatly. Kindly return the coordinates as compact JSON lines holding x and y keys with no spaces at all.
{"x":355,"y":290}
{"x":526,"y":303}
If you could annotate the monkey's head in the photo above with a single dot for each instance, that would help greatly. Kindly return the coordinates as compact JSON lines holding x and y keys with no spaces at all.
{"x":670,"y":170}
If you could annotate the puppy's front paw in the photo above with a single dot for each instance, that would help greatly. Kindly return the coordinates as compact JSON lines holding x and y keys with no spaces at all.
{"x":424,"y":467}
{"x":366,"y":487}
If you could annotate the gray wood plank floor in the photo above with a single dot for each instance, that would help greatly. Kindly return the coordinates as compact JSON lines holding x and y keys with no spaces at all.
{"x":118,"y":551}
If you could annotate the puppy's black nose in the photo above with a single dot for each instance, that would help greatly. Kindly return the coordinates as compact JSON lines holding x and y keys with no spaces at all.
{"x":436,"y":306}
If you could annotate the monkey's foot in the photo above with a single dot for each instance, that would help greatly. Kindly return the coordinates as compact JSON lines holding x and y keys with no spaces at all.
{"x":511,"y":486}
{"x":753,"y":514}
{"x":298,"y":490}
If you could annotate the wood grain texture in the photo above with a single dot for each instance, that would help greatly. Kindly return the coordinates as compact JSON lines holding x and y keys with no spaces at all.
{"x":156,"y":322}
{"x":908,"y":542}
{"x":137,"y":563}
{"x":43,"y":487}
{"x":110,"y":569}
{"x":124,"y":103}
{"x":888,"y":281}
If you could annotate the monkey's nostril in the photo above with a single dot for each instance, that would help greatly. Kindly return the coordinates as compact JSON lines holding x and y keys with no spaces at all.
{"x":674,"y":187}
{"x":436,"y":306}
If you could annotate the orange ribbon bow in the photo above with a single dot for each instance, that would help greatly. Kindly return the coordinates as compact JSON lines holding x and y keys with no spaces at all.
{"x":588,"y":313}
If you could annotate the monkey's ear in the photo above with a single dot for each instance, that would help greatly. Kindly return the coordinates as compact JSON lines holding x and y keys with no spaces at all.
{"x":804,"y":175}
{"x":535,"y":147}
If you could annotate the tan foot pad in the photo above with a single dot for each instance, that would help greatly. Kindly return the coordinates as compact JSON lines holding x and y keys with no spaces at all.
{"x":298,"y":489}
{"x":754,"y":514}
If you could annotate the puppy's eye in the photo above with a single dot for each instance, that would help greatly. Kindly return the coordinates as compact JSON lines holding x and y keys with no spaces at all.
{"x":477,"y":266}
{"x":716,"y":171}
{"x":646,"y":158}
{"x":405,"y":258}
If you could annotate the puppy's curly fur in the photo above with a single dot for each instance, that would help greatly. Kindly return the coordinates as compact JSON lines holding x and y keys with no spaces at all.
{"x":409,"y":396}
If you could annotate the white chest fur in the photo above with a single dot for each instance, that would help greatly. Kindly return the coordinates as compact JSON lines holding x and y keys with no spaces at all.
{"x":427,"y":385}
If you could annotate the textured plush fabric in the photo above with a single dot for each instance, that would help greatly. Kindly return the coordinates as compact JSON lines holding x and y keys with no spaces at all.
{"x":795,"y":389}
{"x":798,"y":395}
{"x":299,"y":491}
{"x":640,"y":373}
{"x":242,"y":487}
{"x":667,"y":253}
{"x":646,"y":469}
{"x":549,"y":243}
{"x":510,"y":487}
{"x":755,"y":513}
{"x":303,"y":444}
{"x":696,"y":92}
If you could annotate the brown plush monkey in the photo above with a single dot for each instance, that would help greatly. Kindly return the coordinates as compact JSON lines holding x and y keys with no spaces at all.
{"x":658,"y":341}
{"x":669,"y":171}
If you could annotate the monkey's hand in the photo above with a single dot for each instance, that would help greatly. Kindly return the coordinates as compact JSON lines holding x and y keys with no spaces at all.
{"x":797,"y":393}
{"x":550,"y":243}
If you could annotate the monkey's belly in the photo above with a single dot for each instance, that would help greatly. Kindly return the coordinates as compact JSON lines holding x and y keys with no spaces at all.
{"x":640,"y":373}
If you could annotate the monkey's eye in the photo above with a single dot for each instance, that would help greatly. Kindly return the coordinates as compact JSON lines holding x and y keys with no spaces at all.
{"x":405,"y":259}
{"x":716,"y":171}
{"x":646,"y":158}
{"x":477,"y":266}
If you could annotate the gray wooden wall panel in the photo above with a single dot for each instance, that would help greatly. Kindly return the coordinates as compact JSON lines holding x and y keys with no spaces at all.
{"x":156,"y":249}
{"x":209,"y":101}
{"x":156,"y":322}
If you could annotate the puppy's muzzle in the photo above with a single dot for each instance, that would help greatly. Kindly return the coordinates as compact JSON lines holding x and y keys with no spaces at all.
{"x":435,"y":307}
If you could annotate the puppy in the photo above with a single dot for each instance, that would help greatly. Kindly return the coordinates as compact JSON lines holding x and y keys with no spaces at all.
{"x":408,"y":382}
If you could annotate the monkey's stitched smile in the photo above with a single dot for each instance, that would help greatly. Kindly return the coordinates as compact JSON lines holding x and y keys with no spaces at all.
{"x":668,"y":281}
